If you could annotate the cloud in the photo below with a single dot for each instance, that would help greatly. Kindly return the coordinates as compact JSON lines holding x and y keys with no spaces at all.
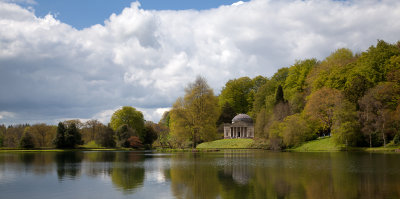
{"x":49,"y":70}
{"x":5,"y":114}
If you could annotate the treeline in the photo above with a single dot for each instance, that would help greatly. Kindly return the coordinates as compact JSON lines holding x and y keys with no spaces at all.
{"x":352,"y":97}
{"x":127,"y":128}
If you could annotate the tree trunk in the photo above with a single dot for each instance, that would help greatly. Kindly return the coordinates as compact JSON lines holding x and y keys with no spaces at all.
{"x":370,"y":140}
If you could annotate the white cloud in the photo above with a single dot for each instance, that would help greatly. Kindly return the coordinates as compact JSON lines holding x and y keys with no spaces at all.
{"x":142,"y":58}
{"x":5,"y":114}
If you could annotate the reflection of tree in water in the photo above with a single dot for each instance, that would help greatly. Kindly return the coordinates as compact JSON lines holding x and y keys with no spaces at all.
{"x":99,"y":163}
{"x":68,"y":164}
{"x":237,"y":166}
{"x":232,"y":189}
{"x":128,"y":172}
{"x":193,"y":176}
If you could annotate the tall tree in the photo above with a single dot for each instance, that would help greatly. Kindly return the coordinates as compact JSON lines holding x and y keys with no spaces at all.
{"x":227,"y":114}
{"x":239,"y":94}
{"x":129,"y":116}
{"x":27,"y":139}
{"x":321,"y":106}
{"x":194,"y":117}
{"x":59,"y":140}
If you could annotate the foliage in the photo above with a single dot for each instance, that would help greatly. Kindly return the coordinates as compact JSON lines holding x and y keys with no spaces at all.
{"x":227,"y":114}
{"x":106,"y":137}
{"x":26,"y":140}
{"x":193,"y":117}
{"x":149,"y":135}
{"x":135,"y":142}
{"x":123,"y":133}
{"x":165,"y":119}
{"x":346,"y":128}
{"x":129,"y":116}
{"x":321,"y":107}
{"x":67,"y":136}
{"x":239,"y":93}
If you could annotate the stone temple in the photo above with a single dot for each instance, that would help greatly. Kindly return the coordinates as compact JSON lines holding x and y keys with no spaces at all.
{"x":242,"y":127}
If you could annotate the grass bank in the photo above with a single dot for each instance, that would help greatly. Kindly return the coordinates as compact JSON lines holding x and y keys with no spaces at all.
{"x":321,"y":144}
{"x":327,"y":144}
{"x":227,"y":144}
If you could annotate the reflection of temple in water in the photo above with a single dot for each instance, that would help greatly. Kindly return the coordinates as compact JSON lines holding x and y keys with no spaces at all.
{"x":237,"y":166}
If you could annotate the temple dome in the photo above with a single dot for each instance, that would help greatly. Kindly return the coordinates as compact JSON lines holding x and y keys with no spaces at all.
{"x":242,"y":118}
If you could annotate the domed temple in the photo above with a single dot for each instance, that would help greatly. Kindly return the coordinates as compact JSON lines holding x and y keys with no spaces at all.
{"x":241,"y":127}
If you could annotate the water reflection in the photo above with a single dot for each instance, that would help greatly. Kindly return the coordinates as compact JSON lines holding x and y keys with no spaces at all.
{"x":227,"y":174}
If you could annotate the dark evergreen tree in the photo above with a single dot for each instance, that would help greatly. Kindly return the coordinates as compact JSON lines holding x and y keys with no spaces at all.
{"x":26,"y":141}
{"x":72,"y":136}
{"x":227,"y":114}
{"x":279,"y":95}
{"x":59,"y":141}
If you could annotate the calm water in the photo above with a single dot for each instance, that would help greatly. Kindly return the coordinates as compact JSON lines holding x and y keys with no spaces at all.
{"x":225,"y":174}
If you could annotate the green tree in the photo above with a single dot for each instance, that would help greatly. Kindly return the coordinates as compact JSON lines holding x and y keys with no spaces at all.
{"x":59,"y":140}
{"x":106,"y":137}
{"x":72,"y":136}
{"x":346,"y":128}
{"x":123,"y":133}
{"x":129,"y":116}
{"x":279,"y":95}
{"x":239,"y":94}
{"x":227,"y":114}
{"x":322,"y":105}
{"x":150,"y":134}
{"x":193,"y":117}
{"x":27,"y":140}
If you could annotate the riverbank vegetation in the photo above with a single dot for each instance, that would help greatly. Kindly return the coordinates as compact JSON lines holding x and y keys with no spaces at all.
{"x":352,"y":97}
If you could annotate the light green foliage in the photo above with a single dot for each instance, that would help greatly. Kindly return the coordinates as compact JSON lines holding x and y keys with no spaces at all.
{"x":193,"y":118}
{"x":294,"y":130}
{"x":345,"y":129}
{"x":333,"y":71}
{"x":296,"y":80}
{"x":239,"y":93}
{"x":227,"y":144}
{"x":129,"y":116}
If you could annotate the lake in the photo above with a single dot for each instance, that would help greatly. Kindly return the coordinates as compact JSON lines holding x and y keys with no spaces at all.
{"x":223,"y":174}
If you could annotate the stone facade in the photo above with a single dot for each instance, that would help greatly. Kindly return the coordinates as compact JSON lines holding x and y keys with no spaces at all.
{"x":241,"y":127}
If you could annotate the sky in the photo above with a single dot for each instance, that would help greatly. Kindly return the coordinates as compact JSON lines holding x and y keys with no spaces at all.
{"x":83,"y":60}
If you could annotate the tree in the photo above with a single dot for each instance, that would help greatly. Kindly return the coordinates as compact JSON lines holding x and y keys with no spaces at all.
{"x":134,"y":142}
{"x":321,"y":106}
{"x":150,"y":134}
{"x":27,"y":140}
{"x":72,"y":136}
{"x":238,"y":93}
{"x":377,"y":108}
{"x":106,"y":137}
{"x":40,"y":131}
{"x":59,"y":141}
{"x":279,"y":95}
{"x":123,"y":133}
{"x":67,"y":137}
{"x":346,"y":127}
{"x":165,"y":119}
{"x":129,"y":116}
{"x":227,"y":114}
{"x":193,"y":117}
{"x":93,"y":126}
